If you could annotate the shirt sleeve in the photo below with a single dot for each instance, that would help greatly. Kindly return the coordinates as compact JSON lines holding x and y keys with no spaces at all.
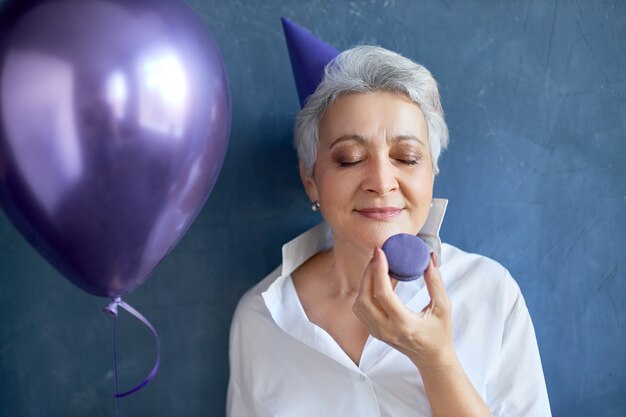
{"x":235,"y":403}
{"x":516,"y":387}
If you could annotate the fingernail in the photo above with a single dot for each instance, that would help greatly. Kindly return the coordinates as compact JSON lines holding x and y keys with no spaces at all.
{"x":375,"y":255}
{"x":435,"y":259}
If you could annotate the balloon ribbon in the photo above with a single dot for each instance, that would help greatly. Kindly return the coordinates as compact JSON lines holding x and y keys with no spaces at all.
{"x":111,"y":310}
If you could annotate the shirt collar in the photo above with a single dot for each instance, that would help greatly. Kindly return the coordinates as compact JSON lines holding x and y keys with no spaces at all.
{"x":299,"y":250}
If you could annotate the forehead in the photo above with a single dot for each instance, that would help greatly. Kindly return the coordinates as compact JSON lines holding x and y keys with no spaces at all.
{"x":373,"y":115}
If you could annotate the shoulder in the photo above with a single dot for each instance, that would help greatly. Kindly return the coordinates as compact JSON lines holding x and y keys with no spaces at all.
{"x":251,"y":304}
{"x":252,"y":329}
{"x":252,"y":334}
{"x":478,"y":278}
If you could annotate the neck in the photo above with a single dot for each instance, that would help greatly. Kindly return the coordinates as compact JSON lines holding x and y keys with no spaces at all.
{"x":348,"y":264}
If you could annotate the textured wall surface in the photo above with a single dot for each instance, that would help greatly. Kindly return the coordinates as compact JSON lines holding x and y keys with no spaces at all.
{"x":535,"y":98}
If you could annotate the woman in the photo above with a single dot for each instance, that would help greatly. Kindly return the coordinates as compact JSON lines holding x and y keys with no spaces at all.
{"x":330,"y":333}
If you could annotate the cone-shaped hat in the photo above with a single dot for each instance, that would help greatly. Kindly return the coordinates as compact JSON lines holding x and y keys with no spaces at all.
{"x":309,"y":55}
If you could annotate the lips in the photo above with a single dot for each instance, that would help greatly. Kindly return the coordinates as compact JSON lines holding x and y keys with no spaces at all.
{"x":380,"y":213}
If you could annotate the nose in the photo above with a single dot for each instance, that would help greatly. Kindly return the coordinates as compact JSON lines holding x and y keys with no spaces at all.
{"x":380,"y":177}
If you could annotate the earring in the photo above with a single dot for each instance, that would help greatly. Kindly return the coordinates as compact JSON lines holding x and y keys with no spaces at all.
{"x":315,"y":206}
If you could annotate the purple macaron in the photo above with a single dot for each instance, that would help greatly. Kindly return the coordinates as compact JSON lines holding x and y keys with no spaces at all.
{"x":407,"y":255}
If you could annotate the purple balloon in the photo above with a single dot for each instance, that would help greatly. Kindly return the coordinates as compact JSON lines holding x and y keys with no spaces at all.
{"x":114,"y":124}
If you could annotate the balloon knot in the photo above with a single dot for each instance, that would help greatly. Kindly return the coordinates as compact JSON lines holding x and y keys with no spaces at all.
{"x":111,"y":308}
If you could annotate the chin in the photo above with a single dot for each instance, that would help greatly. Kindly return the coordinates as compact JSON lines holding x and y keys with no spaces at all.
{"x":377,"y":234}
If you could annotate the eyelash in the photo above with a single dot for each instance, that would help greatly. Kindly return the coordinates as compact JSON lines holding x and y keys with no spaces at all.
{"x":349,"y":164}
{"x":410,"y":162}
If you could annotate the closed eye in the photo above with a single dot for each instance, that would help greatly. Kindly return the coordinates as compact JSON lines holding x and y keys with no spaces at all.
{"x":408,"y":161}
{"x":347,"y":164}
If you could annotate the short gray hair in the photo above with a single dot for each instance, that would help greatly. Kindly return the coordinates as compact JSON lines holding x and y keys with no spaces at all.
{"x":366,"y":69}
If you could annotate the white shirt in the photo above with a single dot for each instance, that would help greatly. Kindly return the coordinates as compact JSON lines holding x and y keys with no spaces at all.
{"x":281,"y":364}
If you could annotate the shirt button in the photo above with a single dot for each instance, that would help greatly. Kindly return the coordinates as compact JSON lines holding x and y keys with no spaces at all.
{"x":362,"y":377}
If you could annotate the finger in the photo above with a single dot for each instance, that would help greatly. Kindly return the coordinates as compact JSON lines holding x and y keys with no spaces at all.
{"x":365,"y":305}
{"x":366,"y":281}
{"x":367,"y":309}
{"x":372,"y":318}
{"x":382,"y":287}
{"x":435,"y":285}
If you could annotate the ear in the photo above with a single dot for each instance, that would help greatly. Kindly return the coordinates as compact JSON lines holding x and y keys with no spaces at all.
{"x":308,"y":182}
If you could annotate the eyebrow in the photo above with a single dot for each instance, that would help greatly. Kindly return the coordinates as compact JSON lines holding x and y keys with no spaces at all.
{"x":361,"y":139}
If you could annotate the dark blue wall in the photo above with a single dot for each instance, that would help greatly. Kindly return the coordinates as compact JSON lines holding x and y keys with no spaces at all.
{"x":535,"y":98}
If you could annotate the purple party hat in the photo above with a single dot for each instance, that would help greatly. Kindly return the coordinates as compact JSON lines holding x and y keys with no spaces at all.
{"x":309,"y":55}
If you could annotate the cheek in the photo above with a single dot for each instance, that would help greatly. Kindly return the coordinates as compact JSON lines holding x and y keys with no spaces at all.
{"x":336,"y":188}
{"x":332,"y":190}
{"x":420,"y":188}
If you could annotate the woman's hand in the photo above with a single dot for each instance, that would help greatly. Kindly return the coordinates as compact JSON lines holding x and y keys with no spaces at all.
{"x":426,"y":337}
